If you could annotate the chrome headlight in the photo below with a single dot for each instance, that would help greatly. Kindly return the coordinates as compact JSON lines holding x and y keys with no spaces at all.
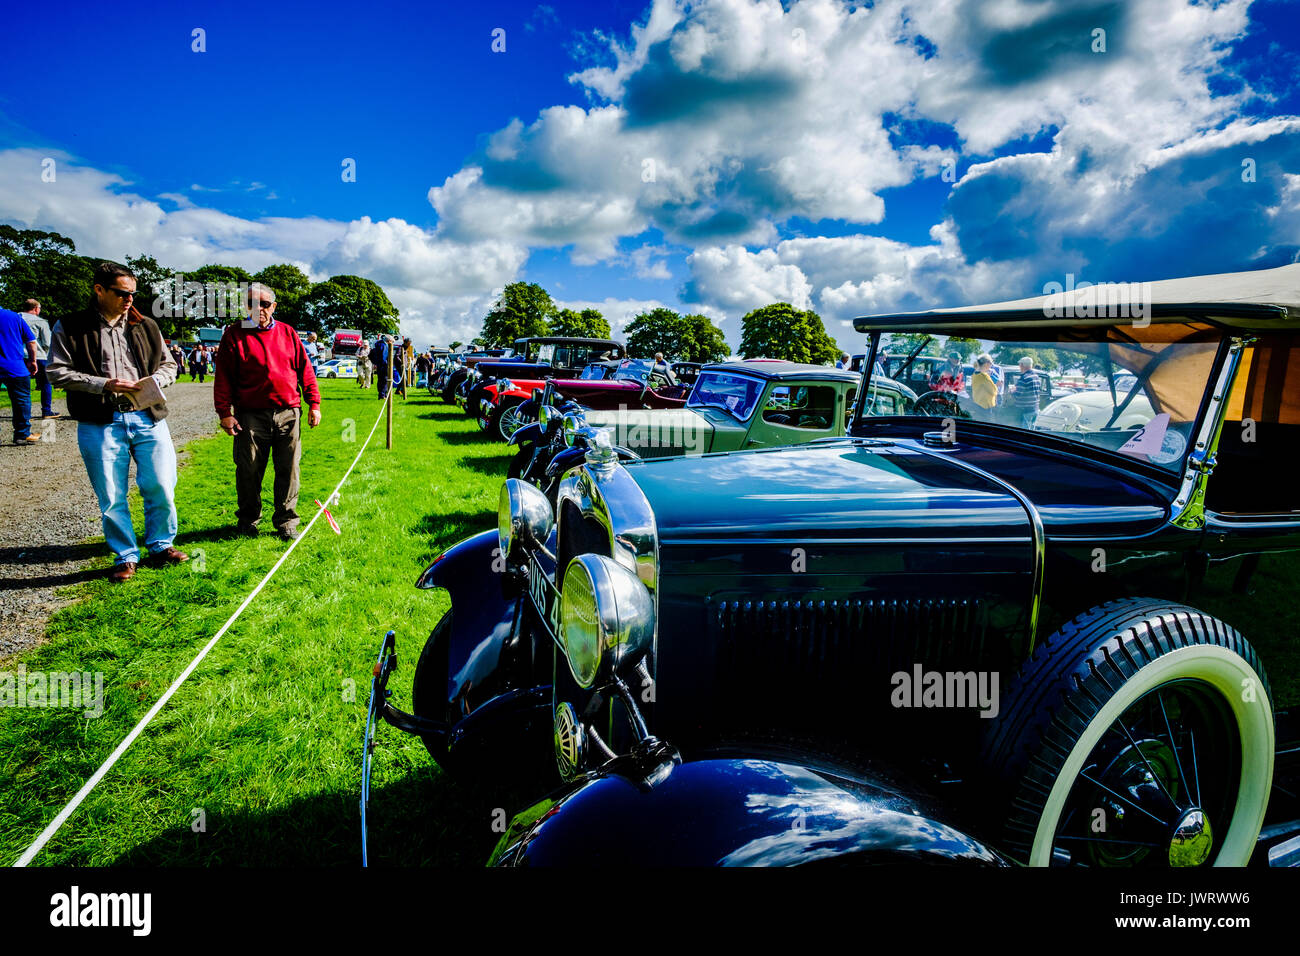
{"x":504,"y":385}
{"x":547,"y":414}
{"x":524,"y":516}
{"x":606,"y":618}
{"x":572,"y":423}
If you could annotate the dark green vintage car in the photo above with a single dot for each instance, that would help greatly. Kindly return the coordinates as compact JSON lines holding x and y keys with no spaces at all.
{"x":934,"y":639}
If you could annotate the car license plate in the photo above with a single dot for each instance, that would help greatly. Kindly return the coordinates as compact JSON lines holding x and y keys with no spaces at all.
{"x":544,"y":597}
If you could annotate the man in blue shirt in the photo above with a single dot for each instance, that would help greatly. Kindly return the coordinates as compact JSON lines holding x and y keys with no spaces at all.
{"x":17,"y":366}
{"x":1026,"y":392}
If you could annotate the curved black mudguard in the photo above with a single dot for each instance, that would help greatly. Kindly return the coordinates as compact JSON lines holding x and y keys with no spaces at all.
{"x":731,"y":812}
{"x":483,"y":659}
{"x":533,"y":433}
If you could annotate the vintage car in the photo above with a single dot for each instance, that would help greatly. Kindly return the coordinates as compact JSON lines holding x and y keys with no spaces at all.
{"x":1087,"y":411}
{"x":461,"y":366}
{"x":632,"y":384}
{"x":538,"y":359}
{"x":564,"y":434}
{"x":933,"y":639}
{"x":732,"y":405}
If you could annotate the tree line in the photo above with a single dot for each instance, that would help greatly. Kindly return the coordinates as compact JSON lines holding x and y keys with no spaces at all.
{"x":778,"y":330}
{"x":46,"y":266}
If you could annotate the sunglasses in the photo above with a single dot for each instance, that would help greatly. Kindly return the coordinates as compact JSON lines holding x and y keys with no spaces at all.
{"x":122,"y":294}
{"x":266,"y":303}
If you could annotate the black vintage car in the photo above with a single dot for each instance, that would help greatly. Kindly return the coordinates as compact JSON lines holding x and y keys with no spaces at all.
{"x":934,"y":639}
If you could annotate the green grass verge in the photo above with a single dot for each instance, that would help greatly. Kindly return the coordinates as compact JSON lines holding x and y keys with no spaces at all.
{"x":265,"y":737}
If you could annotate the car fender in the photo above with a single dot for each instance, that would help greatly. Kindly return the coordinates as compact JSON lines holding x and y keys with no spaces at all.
{"x":732,"y":812}
{"x":533,"y":433}
{"x":484,"y":602}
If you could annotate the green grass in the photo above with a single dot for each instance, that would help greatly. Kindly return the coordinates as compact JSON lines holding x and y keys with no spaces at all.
{"x":262,"y":737}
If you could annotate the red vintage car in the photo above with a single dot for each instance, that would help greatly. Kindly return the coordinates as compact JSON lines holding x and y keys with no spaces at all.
{"x":629,"y":383}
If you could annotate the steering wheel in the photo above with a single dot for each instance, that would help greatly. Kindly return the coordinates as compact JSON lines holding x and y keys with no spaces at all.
{"x":939,"y":405}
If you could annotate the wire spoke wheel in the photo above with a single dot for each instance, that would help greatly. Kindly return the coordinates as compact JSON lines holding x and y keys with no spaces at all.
{"x":509,"y":421}
{"x":1139,"y":798}
{"x":1140,"y":734}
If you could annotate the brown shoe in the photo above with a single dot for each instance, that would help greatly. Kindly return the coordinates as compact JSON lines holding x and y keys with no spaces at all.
{"x":122,"y":572}
{"x":169,"y":556}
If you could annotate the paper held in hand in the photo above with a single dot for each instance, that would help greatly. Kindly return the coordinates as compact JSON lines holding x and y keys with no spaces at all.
{"x":148,"y":394}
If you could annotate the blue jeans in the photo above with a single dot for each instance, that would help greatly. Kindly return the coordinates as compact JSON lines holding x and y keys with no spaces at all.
{"x":107,"y":451}
{"x":20,"y":399}
{"x":47,"y":390}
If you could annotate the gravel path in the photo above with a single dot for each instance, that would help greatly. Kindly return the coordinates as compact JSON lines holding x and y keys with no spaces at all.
{"x":49,"y":510}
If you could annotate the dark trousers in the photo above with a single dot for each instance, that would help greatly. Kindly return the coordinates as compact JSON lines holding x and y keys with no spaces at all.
{"x":267,"y":434}
{"x":384,"y":379}
{"x":47,"y":390}
{"x":20,"y":399}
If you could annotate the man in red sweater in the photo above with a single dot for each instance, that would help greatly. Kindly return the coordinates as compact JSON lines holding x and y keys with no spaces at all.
{"x":261,"y":366}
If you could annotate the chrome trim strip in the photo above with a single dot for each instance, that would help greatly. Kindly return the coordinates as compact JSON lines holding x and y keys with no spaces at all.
{"x":1188,"y":509}
{"x":1038,"y":535}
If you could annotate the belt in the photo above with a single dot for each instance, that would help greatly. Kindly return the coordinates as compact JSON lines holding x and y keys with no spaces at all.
{"x":120,"y":404}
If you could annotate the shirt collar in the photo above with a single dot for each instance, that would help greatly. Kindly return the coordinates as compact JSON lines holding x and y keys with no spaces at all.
{"x":257,"y":328}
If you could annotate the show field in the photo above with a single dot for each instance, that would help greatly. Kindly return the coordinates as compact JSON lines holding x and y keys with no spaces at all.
{"x":256,"y":759}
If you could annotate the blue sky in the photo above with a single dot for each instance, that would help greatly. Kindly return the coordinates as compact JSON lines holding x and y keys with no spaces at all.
{"x":711,"y":156}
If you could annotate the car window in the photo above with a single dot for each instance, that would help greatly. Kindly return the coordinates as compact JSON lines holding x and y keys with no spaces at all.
{"x":736,"y":394}
{"x":800,"y":406}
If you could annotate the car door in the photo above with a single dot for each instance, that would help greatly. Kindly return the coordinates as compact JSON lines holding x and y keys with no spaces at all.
{"x":791,"y":413}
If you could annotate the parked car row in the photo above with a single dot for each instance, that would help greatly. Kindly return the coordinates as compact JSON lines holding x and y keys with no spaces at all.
{"x":844,"y":628}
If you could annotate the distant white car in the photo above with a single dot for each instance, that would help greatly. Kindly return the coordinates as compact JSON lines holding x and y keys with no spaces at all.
{"x":338,"y":368}
{"x":1090,"y":411}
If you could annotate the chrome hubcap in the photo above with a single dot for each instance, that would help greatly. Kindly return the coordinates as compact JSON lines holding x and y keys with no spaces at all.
{"x":1192,"y":840}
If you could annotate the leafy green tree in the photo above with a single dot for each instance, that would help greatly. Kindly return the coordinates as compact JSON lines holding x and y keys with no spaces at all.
{"x":45,"y":266}
{"x":155,"y":296}
{"x":291,"y":287}
{"x":903,"y":343}
{"x":588,"y":324}
{"x":659,"y":330}
{"x":523,"y":310}
{"x":455,"y":346}
{"x":1009,"y":353}
{"x":349,"y":302}
{"x":701,"y":340}
{"x":968,"y":348}
{"x":781,"y":331}
{"x":214,"y":295}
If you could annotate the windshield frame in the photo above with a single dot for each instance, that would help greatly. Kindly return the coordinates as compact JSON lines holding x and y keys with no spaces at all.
{"x":860,"y":424}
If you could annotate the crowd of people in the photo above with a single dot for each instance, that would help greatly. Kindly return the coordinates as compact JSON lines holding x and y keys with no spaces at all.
{"x":114,"y":365}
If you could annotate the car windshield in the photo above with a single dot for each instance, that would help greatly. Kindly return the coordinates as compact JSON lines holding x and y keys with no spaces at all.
{"x":736,"y":394}
{"x":1136,"y":391}
{"x":632,"y":371}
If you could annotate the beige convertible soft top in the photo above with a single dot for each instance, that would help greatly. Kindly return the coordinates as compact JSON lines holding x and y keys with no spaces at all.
{"x":1267,"y":298}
